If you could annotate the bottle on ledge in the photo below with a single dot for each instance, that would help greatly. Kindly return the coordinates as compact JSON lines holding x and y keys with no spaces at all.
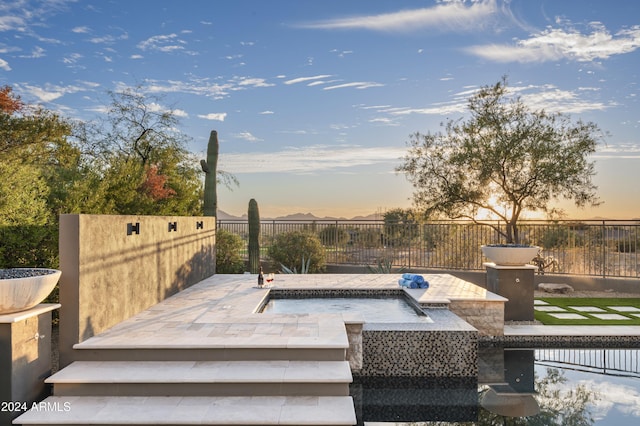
{"x":260,"y":278}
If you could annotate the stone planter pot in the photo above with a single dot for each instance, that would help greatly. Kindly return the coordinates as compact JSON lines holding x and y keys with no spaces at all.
{"x":24,"y":288}
{"x":510,"y":255}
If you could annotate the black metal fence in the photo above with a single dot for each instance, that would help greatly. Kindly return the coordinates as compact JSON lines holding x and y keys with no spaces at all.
{"x":611,"y":362}
{"x":600,"y":248}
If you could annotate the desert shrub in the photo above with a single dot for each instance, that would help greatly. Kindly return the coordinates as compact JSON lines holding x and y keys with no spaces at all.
{"x":626,"y":246}
{"x":333,"y":235}
{"x":228,"y":248}
{"x":289,"y":248}
{"x":367,"y":237}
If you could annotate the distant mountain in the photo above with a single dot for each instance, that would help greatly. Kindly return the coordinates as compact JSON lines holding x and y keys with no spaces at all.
{"x":222,"y":215}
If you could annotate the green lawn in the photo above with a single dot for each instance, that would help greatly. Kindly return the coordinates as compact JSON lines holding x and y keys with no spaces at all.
{"x":606,"y":306}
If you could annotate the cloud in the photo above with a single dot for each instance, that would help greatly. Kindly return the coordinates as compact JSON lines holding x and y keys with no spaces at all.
{"x":36,"y":52}
{"x":266,"y":112}
{"x":163,"y":43}
{"x":81,"y":30}
{"x":4,"y":65}
{"x":310,"y":159}
{"x":251,"y":81}
{"x":51,"y":92}
{"x":215,"y":116}
{"x":12,"y":23}
{"x":304,"y":79}
{"x":451,"y":16}
{"x":557,"y":44}
{"x":247,"y":136}
{"x":547,"y":97}
{"x":355,"y":84}
{"x":630,"y":150}
{"x":109,"y":39}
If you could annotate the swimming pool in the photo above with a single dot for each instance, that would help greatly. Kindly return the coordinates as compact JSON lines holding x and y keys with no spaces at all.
{"x":373,"y":310}
{"x":598,"y":387}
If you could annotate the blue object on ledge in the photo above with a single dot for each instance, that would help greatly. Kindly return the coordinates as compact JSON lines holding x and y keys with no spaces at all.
{"x":413,"y":281}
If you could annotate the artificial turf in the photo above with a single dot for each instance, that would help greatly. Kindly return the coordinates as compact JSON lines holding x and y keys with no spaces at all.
{"x":631,"y":318}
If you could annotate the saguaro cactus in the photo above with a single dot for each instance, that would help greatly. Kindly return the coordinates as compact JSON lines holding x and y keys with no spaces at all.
{"x":254,"y":237}
{"x":210,"y":166}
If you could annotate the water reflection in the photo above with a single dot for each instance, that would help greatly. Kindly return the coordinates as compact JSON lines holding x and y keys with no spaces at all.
{"x":512,"y":389}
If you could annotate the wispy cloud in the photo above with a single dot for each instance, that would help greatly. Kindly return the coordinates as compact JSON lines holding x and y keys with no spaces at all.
{"x":355,"y":84}
{"x":81,"y":30}
{"x":556,"y":44}
{"x":547,"y":97}
{"x":304,"y":79}
{"x":4,"y":65}
{"x":449,"y":16}
{"x":109,"y":39}
{"x":51,"y":92}
{"x":311,"y":159}
{"x":12,"y":23}
{"x":630,"y":150}
{"x":163,"y":43}
{"x":247,"y":136}
{"x":215,"y":116}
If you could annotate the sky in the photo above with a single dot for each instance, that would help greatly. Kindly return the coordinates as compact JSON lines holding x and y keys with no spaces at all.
{"x":314,"y":101}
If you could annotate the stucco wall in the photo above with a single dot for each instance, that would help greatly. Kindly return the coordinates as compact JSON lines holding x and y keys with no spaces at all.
{"x":116,"y":266}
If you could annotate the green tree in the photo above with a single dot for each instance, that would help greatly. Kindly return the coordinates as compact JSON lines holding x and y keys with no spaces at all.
{"x":137,"y":160}
{"x":289,"y":248}
{"x":35,"y":160}
{"x":333,"y":235}
{"x":401,"y":226}
{"x":505,"y":158}
{"x":228,"y":258}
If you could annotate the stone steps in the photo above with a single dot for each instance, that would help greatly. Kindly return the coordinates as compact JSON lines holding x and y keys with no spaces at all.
{"x":175,"y":410}
{"x":203,"y":378}
{"x":280,"y":379}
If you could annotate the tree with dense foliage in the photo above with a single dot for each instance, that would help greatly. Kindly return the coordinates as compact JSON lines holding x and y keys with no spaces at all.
{"x":36,"y":160}
{"x":139,"y":161}
{"x":228,"y":248}
{"x":505,"y":159}
{"x":290,"y":248}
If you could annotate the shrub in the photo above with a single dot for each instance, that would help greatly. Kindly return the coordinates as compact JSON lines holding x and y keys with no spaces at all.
{"x":626,"y":246}
{"x":333,"y":235}
{"x":228,"y":247}
{"x":288,"y":249}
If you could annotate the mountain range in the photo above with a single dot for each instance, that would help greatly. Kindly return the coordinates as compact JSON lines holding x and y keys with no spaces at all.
{"x":222,"y":215}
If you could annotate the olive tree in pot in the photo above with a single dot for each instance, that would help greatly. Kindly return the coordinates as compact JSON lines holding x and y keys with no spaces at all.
{"x":502,"y":159}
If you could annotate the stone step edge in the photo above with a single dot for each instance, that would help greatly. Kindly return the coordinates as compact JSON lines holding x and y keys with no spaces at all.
{"x":263,"y":410}
{"x":162,"y":372}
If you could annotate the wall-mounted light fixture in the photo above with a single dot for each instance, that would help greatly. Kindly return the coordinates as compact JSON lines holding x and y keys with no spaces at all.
{"x":133,"y":229}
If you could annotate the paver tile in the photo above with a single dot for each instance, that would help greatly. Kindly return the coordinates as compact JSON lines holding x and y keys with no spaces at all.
{"x":610,"y":317}
{"x":624,"y":308}
{"x":549,"y":308}
{"x":587,"y":308}
{"x":569,"y":316}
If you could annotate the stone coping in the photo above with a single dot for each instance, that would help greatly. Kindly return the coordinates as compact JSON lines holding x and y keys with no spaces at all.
{"x":219,"y":312}
{"x":29,"y":313}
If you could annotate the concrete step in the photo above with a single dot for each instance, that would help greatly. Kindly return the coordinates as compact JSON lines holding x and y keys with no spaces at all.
{"x":175,"y":410}
{"x":202,"y":378}
{"x":309,"y":353}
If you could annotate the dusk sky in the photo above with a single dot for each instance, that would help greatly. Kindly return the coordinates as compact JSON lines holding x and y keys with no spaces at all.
{"x":314,"y":101}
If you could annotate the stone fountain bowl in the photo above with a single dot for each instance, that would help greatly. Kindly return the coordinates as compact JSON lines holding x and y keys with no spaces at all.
{"x":24,"y":288}
{"x":510,"y":254}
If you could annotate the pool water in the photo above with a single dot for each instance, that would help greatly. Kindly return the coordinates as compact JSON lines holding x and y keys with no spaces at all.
{"x":374,"y":310}
{"x":598,"y":387}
